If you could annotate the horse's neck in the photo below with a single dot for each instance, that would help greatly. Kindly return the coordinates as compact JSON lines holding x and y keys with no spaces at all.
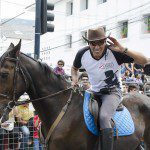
{"x":49,"y":108}
{"x":44,"y":86}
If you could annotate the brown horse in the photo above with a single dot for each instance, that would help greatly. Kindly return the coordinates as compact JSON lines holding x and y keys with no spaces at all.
{"x":20,"y":73}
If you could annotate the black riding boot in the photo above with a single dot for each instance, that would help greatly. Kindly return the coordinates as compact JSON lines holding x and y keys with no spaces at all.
{"x":107,"y":139}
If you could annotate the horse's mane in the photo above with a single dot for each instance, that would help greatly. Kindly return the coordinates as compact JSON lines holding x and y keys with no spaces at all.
{"x":49,"y":71}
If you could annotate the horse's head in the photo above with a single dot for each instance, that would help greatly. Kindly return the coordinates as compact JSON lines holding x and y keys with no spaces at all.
{"x":11,"y":78}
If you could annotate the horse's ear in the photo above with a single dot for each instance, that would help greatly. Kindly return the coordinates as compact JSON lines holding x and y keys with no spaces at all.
{"x":11,"y":46}
{"x":16,"y":50}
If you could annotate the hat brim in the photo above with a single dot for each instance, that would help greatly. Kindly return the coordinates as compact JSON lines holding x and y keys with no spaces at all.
{"x":95,"y":39}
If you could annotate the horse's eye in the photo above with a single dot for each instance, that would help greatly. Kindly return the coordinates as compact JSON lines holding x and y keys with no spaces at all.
{"x":4,"y":74}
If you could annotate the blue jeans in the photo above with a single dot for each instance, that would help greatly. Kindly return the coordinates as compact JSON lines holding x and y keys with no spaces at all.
{"x":37,"y":144}
{"x":25,"y":138}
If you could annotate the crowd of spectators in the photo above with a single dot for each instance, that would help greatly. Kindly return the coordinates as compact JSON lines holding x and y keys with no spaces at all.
{"x":20,"y":131}
{"x":132,"y":76}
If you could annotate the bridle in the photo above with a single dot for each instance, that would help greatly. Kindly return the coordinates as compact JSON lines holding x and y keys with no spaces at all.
{"x":12,"y":98}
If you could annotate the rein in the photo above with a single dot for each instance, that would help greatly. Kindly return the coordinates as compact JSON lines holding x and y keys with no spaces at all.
{"x":48,"y":96}
{"x":43,"y":140}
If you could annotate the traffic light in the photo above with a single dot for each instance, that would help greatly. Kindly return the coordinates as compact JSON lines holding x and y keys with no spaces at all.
{"x":46,"y":17}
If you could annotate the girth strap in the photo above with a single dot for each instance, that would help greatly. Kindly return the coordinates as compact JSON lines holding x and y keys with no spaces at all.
{"x":61,"y":114}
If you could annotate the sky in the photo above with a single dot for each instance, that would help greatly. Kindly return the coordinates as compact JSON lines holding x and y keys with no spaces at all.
{"x":12,"y":8}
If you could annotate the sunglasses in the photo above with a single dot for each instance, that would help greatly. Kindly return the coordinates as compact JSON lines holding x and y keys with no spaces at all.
{"x":60,"y":64}
{"x":99,"y":43}
{"x":84,"y":79}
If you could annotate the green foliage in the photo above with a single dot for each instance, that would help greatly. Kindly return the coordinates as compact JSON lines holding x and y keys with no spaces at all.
{"x":124,"y":31}
{"x":147,"y":21}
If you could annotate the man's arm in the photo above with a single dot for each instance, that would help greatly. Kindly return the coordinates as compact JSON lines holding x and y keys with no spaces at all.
{"x":74,"y":74}
{"x":139,"y":58}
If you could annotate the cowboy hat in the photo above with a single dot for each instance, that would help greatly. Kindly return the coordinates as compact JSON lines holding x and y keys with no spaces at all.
{"x":95,"y":34}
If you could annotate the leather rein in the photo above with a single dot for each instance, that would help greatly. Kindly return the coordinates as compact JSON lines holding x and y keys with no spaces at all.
{"x":12,"y":103}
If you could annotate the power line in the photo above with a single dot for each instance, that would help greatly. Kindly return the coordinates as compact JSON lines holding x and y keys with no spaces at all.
{"x":13,"y":3}
{"x":81,"y":39}
{"x":115,"y":27}
{"x":86,"y":27}
{"x":84,"y":17}
{"x":91,"y":25}
{"x":12,"y":18}
{"x":62,"y":13}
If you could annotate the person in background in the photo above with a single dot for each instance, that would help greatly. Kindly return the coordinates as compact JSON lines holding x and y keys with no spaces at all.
{"x":59,"y":69}
{"x":123,"y":70}
{"x":132,"y":88}
{"x":37,"y":123}
{"x":130,"y":68}
{"x":124,"y":89}
{"x":9,"y":132}
{"x":138,"y":69}
{"x":84,"y":81}
{"x":102,"y":64}
{"x":23,"y":117}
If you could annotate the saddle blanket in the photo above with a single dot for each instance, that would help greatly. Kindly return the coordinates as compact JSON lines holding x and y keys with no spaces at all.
{"x":123,"y":120}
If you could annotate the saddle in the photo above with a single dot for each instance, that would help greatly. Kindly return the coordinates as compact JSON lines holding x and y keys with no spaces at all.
{"x":94,"y":109}
{"x":122,"y":122}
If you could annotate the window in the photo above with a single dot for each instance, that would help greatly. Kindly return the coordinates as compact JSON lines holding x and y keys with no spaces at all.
{"x":101,"y":1}
{"x":69,"y":8}
{"x":83,"y":4}
{"x":69,"y":40}
{"x":146,"y":24}
{"x":123,"y":29}
{"x":84,"y":33}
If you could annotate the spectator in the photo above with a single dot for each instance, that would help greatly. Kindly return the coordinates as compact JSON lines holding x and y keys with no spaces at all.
{"x":123,"y":70}
{"x":9,"y":132}
{"x":132,"y":88}
{"x":37,"y":123}
{"x":124,"y":89}
{"x":59,"y":69}
{"x":130,"y":68}
{"x":138,"y":79}
{"x":24,"y":115}
{"x":84,"y":80}
{"x":138,"y":69}
{"x":127,"y":77}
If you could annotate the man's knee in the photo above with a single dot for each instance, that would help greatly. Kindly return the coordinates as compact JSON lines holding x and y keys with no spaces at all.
{"x":104,"y":117}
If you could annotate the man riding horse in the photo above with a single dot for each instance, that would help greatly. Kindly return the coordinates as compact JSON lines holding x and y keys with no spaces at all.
{"x":102,"y":63}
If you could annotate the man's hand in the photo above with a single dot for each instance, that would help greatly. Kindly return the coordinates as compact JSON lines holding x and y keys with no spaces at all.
{"x":74,"y":74}
{"x":5,"y":125}
{"x":75,"y":83}
{"x":115,"y":45}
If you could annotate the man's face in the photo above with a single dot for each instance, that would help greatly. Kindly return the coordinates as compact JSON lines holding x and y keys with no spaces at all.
{"x":85,"y":81}
{"x":124,"y":89}
{"x":97,"y":48}
{"x":60,"y":64}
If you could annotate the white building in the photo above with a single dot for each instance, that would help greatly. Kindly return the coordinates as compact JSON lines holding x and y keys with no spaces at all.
{"x":128,"y":21}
